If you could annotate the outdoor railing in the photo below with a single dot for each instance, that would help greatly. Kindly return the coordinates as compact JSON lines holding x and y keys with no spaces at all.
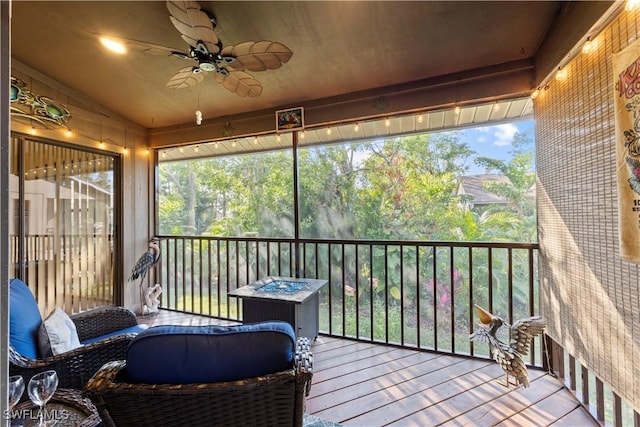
{"x":413,"y":294}
{"x":598,"y":397}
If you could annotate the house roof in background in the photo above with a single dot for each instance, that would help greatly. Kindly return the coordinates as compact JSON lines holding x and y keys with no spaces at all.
{"x":474,"y":186}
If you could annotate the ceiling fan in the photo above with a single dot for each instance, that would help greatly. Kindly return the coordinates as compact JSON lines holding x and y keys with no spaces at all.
{"x":228,"y":63}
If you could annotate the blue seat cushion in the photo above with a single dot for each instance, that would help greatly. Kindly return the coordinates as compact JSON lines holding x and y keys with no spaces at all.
{"x":208,"y":354}
{"x":131,"y":329}
{"x":24,"y":319}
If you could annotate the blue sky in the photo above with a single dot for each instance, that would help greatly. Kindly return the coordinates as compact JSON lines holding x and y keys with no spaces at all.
{"x":493,"y":141}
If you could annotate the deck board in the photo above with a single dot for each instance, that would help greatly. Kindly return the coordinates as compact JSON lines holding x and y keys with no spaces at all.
{"x":363,"y":384}
{"x":545,"y":411}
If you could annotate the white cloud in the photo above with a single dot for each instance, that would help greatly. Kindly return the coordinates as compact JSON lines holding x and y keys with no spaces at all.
{"x":484,"y":134}
{"x":503,"y":134}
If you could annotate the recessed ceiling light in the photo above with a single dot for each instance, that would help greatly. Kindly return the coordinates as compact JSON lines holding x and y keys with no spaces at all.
{"x":113,"y":45}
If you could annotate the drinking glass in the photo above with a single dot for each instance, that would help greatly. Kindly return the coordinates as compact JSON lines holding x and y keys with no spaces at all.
{"x":16,"y":388}
{"x":41,"y":388}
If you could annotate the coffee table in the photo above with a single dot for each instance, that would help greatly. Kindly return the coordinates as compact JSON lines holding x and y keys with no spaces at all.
{"x":293,"y":300}
{"x":67,"y":407}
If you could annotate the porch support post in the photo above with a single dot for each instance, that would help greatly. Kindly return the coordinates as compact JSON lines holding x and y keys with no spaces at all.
{"x":296,"y":205}
{"x":5,"y":74}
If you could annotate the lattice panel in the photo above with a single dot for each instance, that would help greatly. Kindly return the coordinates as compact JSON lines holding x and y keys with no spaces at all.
{"x":591,"y":297}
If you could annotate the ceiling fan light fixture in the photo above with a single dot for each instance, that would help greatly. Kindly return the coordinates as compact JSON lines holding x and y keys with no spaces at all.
{"x":207,"y":66}
{"x":113,"y":46}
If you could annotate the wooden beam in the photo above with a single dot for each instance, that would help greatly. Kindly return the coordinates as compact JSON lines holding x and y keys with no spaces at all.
{"x":487,"y":84}
{"x":577,"y":20}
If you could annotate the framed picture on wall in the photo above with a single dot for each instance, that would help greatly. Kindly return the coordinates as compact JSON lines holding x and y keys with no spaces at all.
{"x":292,"y":119}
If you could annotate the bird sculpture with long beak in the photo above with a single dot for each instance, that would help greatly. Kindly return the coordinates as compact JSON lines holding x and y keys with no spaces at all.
{"x":144,"y":264}
{"x":509,"y":355}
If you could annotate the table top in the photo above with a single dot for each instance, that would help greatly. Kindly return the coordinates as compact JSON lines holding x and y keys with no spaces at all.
{"x":67,"y":407}
{"x":291,"y":289}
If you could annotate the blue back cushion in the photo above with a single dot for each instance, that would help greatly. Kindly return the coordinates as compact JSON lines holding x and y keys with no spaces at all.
{"x":24,"y":319}
{"x":207,"y":354}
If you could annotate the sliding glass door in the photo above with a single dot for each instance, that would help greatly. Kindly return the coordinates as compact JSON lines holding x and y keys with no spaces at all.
{"x":62,"y":215}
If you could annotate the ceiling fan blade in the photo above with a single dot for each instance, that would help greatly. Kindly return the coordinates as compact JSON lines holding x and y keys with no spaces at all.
{"x":185,"y":78}
{"x":240,"y":83}
{"x":258,"y":56}
{"x":193,"y":23}
{"x":149,"y":48}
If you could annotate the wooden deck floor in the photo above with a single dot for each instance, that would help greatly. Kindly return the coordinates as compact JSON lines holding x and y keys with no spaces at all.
{"x":364,"y":384}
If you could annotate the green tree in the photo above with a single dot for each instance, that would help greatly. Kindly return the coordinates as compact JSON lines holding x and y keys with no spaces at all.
{"x":517,"y":220}
{"x":409,"y":188}
{"x":227,"y":196}
{"x":328,"y":182}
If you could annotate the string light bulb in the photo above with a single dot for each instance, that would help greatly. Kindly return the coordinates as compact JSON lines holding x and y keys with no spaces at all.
{"x":631,"y":4}
{"x":535,"y":94}
{"x":387,"y":122}
{"x":588,"y":46}
{"x":278,"y":137}
{"x":356,"y":127}
{"x":328,"y":131}
{"x":561,"y":74}
{"x":198,"y":117}
{"x":420,"y":119}
{"x":457,"y":109}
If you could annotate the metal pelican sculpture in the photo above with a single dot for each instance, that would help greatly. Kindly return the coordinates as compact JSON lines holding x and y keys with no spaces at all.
{"x":509,"y":354}
{"x":143,"y":265}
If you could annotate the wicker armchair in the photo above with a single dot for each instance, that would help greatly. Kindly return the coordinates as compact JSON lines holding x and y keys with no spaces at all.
{"x":272,"y":399}
{"x":104,"y":332}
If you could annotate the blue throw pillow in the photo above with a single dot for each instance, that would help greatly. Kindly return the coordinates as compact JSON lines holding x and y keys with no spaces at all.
{"x":208,"y":354}
{"x":24,"y":319}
